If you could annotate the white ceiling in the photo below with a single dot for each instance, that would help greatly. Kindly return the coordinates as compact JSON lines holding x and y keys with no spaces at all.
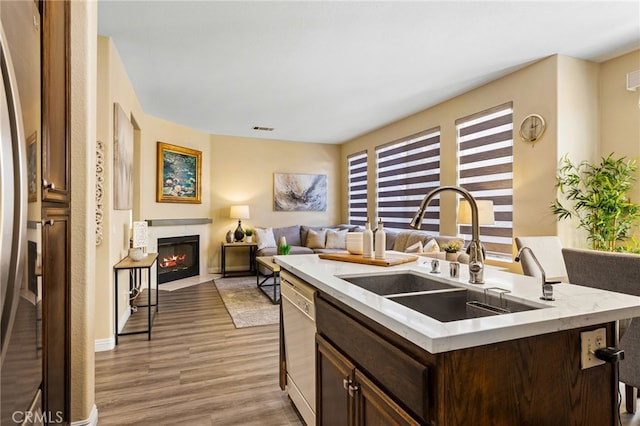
{"x":328,"y":71}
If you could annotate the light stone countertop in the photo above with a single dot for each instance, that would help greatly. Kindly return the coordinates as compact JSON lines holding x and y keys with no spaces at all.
{"x":574,"y":306}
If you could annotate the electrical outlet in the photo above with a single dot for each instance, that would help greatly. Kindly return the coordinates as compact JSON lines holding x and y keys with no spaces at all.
{"x":590,"y":341}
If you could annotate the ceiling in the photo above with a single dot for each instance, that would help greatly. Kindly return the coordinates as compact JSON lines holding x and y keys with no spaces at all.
{"x":328,"y":71}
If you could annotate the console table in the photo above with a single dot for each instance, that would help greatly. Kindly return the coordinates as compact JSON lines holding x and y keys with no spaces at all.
{"x":253,"y":248}
{"x":135,"y":281}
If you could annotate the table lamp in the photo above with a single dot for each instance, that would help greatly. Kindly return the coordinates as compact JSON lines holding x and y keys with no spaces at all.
{"x":485,"y":212}
{"x":239,"y":212}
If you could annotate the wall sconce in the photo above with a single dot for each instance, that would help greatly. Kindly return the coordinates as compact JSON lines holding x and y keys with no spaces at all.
{"x":485,"y":212}
{"x":239,"y":212}
{"x":633,"y":82}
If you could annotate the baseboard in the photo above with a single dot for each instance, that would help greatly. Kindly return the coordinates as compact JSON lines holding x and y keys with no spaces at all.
{"x":91,"y":421}
{"x":101,"y":345}
{"x":123,"y":319}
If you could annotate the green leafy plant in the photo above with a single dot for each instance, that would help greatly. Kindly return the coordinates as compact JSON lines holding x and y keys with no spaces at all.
{"x":248,"y":232}
{"x":284,"y":249}
{"x":452,"y":247}
{"x":597,"y":195}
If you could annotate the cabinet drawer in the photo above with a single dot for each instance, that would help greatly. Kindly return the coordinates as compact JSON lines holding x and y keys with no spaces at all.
{"x":397,"y":373}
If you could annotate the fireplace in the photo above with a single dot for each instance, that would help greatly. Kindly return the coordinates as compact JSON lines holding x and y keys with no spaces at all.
{"x":178,"y":257}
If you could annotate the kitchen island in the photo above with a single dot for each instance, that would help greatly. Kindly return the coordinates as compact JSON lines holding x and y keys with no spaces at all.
{"x":397,"y":365}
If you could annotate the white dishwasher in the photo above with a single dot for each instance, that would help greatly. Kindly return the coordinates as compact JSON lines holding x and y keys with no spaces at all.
{"x":299,"y":323}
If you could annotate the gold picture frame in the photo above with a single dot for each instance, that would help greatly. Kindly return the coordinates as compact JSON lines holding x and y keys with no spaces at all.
{"x":179,"y":174}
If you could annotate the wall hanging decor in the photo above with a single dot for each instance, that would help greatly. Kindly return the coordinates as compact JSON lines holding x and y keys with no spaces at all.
{"x":299,"y":192}
{"x":122,"y":160}
{"x":99,"y":190}
{"x":179,"y":174}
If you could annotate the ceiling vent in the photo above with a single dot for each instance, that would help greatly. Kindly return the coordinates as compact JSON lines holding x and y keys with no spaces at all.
{"x":633,"y":80}
{"x":263,"y":129}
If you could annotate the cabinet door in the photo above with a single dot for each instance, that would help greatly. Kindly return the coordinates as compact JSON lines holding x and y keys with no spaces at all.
{"x":375,"y":408}
{"x":334,"y":406}
{"x":55,"y":102}
{"x":55,"y":273}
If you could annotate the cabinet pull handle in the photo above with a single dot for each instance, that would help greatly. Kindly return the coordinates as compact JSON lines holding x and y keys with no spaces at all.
{"x":47,"y":222}
{"x":353,"y":390}
{"x":346,"y":383}
{"x":48,"y":185}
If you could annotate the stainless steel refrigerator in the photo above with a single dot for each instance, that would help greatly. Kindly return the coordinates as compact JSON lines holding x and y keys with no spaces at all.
{"x":20,"y":241}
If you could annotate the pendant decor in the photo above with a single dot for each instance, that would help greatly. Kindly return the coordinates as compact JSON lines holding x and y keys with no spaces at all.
{"x":99,"y":190}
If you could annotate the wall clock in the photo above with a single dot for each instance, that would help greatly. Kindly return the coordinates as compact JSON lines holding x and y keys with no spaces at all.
{"x":532,"y":127}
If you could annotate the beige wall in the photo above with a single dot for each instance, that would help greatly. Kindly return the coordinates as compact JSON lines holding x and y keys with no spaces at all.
{"x":620,"y":110}
{"x":234,"y":171}
{"x":83,"y":261}
{"x":532,"y":90}
{"x":242,"y":173}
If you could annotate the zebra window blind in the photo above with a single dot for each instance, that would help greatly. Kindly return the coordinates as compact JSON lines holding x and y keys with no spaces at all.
{"x":485,"y":168}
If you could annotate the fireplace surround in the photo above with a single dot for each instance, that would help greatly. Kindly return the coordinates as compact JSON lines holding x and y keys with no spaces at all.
{"x":178,"y":257}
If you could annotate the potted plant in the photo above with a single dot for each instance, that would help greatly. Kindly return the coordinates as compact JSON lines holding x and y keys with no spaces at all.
{"x":597,"y":196}
{"x":284,"y":249}
{"x":249,"y":234}
{"x":452,"y":248}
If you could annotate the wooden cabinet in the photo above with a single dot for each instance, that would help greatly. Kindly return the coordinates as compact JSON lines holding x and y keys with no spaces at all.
{"x":55,"y":102}
{"x":532,"y":380}
{"x":55,"y":214}
{"x":348,"y":397}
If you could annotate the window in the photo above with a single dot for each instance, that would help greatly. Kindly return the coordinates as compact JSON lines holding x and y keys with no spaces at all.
{"x":357,"y":188}
{"x":485,"y":168}
{"x":407,"y":170}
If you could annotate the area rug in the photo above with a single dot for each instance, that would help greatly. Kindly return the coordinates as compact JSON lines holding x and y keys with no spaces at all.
{"x":246,"y":304}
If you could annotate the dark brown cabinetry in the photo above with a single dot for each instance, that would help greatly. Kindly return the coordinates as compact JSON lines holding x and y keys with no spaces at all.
{"x":533,"y":380}
{"x":56,"y":229}
{"x":348,"y":397}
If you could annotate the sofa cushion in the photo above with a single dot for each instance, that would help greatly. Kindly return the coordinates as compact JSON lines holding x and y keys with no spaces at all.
{"x":330,"y":250}
{"x":265,"y":238}
{"x":336,"y":239}
{"x":432,"y":246}
{"x":414,"y":248}
{"x":290,"y":233}
{"x":304,"y":231}
{"x":316,"y":239}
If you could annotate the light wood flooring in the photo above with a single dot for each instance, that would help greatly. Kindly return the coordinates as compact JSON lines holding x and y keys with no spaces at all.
{"x":198,"y":369}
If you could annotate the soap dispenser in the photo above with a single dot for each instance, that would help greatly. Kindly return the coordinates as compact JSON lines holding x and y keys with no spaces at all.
{"x":381,"y":241}
{"x":367,"y":241}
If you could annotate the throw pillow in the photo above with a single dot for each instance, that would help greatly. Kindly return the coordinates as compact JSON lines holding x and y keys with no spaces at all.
{"x":432,"y":246}
{"x":336,"y":239}
{"x":265,"y":238}
{"x":414,"y":248}
{"x":316,"y":239}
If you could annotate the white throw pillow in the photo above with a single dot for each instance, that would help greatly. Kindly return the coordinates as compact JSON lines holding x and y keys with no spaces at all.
{"x":316,"y":239}
{"x":265,"y":238}
{"x":414,"y":248}
{"x":337,"y":239}
{"x":431,"y":247}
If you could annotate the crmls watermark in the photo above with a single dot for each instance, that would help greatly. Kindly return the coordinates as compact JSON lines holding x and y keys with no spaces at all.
{"x":30,"y":417}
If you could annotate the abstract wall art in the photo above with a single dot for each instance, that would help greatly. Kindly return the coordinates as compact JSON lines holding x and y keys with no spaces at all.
{"x":299,"y":192}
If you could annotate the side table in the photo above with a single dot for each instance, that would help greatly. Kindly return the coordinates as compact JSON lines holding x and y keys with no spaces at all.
{"x":253,"y":248}
{"x":267,"y":262}
{"x":135,"y":277}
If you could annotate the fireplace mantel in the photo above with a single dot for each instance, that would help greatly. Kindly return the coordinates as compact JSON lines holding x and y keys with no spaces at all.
{"x":179,"y":222}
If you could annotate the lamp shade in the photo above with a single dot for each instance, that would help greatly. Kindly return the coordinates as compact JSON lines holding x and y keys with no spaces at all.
{"x":239,"y":212}
{"x":485,"y":212}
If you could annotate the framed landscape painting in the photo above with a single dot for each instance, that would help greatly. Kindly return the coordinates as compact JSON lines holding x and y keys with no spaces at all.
{"x":179,"y":174}
{"x":299,"y":192}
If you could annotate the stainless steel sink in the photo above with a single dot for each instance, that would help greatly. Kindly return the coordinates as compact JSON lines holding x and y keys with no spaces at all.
{"x":384,"y":285}
{"x":460,"y":304}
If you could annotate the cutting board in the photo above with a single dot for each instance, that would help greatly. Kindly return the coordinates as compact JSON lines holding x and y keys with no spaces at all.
{"x":390,"y":260}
